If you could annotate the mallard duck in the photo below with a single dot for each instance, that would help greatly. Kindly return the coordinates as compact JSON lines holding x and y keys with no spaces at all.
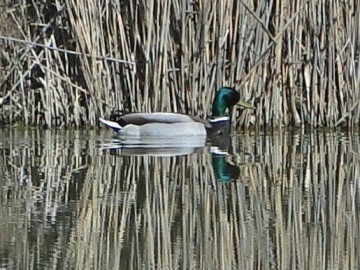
{"x":175,"y":124}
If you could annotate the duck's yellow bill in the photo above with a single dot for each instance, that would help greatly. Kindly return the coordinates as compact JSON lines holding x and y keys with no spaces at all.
{"x":245,"y":105}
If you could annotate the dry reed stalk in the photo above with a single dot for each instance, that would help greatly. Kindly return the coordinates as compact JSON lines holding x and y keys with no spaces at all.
{"x":296,"y":61}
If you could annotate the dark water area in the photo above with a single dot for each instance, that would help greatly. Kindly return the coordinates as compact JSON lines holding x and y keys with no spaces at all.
{"x":77,"y":200}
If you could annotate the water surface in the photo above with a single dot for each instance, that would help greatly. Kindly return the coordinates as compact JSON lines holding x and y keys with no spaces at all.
{"x":286,"y":201}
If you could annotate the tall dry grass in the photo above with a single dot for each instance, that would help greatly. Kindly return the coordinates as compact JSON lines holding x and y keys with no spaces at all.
{"x":72,"y":61}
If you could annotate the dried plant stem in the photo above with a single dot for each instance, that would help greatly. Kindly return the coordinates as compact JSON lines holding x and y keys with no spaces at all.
{"x":296,"y":61}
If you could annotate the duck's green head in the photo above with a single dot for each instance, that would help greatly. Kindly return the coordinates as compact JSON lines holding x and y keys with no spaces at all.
{"x":226,"y":98}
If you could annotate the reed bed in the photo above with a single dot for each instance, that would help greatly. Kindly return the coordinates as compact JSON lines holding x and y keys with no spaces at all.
{"x":68,"y":62}
{"x":294,"y":205}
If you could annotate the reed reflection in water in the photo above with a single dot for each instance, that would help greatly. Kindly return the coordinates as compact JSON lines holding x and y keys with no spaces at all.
{"x":65,"y":203}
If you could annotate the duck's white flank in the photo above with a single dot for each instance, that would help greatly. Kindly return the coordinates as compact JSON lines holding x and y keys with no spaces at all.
{"x":164,"y":130}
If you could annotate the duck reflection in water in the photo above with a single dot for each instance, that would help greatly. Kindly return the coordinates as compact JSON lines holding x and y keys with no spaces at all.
{"x":218,"y":145}
{"x":225,"y":170}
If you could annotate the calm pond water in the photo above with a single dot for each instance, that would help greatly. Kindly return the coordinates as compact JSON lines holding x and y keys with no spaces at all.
{"x":287,"y":201}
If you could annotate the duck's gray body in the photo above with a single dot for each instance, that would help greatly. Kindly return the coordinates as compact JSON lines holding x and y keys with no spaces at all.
{"x":157,"y":124}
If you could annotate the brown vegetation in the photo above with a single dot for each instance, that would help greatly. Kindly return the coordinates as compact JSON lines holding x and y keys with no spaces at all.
{"x":297,"y":61}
